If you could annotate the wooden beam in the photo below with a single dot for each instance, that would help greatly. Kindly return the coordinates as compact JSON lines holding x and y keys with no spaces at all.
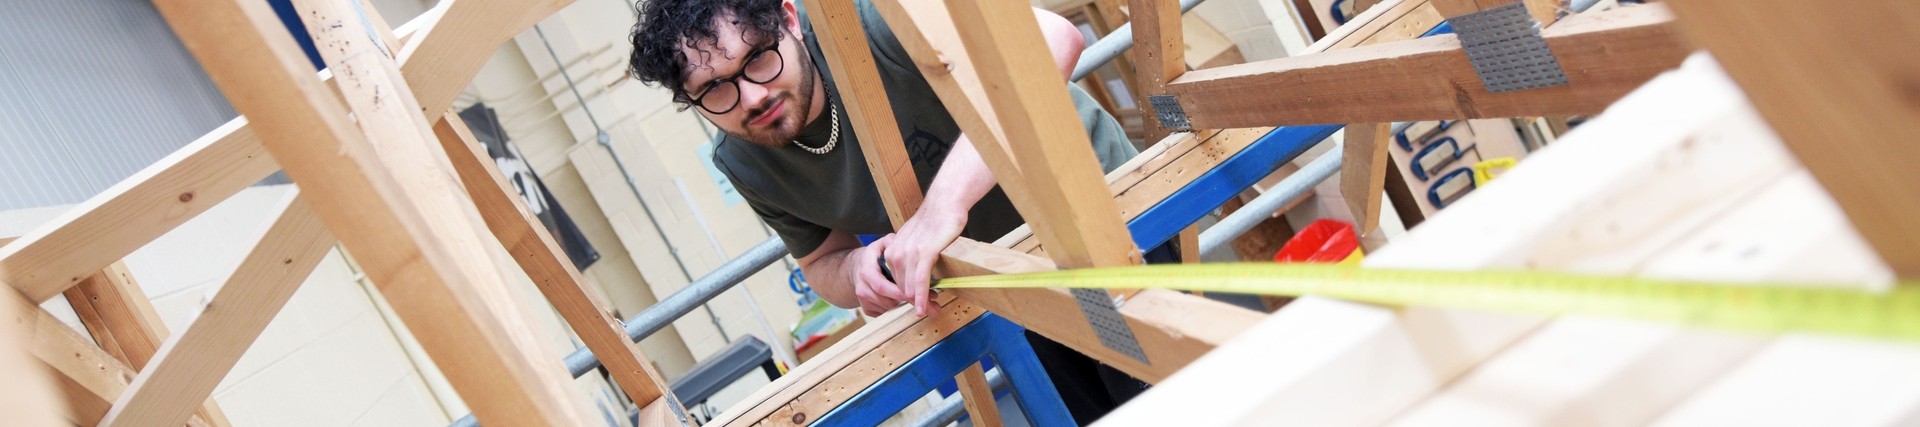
{"x":843,"y":39}
{"x":849,"y":366}
{"x":88,"y":377}
{"x":540,"y":256}
{"x":1174,"y":328}
{"x":1543,"y":11}
{"x":1852,"y":123}
{"x":142,"y":207}
{"x":1172,"y":164}
{"x":122,"y":321}
{"x":186,"y":369}
{"x":29,"y":399}
{"x":1066,"y":197}
{"x":1159,"y":56}
{"x":118,"y":314}
{"x":440,"y":59}
{"x":978,"y":397}
{"x":392,"y":203}
{"x":927,"y":31}
{"x":186,"y":183}
{"x":656,"y":414}
{"x":1363,"y":172}
{"x":1605,"y":55}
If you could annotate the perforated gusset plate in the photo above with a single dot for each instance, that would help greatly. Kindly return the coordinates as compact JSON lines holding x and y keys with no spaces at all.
{"x":1506,"y":49}
{"x":1167,"y":109}
{"x":1107,"y":323}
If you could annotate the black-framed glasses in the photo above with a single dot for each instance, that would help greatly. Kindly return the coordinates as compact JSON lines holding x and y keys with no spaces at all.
{"x":723,"y":95}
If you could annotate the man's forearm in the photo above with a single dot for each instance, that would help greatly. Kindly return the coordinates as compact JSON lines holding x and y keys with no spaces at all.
{"x":962,"y":181}
{"x":831,"y":276}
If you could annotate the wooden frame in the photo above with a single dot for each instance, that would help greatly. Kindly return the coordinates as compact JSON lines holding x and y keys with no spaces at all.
{"x":378,"y":184}
{"x":1645,"y":34}
{"x":440,"y":58}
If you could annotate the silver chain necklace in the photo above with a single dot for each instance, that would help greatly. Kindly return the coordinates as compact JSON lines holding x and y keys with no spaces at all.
{"x":833,"y":137}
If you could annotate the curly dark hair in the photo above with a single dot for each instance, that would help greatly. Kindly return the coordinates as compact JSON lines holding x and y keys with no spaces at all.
{"x":666,"y":25}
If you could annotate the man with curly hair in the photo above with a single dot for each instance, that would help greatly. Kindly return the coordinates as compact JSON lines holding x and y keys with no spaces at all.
{"x":754,"y":69}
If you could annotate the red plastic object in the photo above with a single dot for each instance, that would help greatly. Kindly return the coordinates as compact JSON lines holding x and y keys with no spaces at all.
{"x":1325,"y":241}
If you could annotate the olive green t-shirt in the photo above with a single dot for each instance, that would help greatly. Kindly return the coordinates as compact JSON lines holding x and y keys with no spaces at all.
{"x":804,"y":196}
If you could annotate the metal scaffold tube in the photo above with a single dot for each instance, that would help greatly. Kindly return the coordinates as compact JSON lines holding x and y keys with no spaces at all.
{"x":684,"y":301}
{"x":1103,"y":51}
{"x":687,"y":299}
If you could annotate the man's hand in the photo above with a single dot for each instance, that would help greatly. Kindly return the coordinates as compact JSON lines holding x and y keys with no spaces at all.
{"x":911,"y":253}
{"x":871,"y":288}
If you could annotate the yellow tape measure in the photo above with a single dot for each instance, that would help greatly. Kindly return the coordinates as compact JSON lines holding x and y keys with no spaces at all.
{"x":1754,"y":307}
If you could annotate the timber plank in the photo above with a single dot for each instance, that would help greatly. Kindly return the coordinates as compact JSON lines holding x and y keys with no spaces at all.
{"x":1363,"y":172}
{"x":514,"y":225}
{"x":393,"y":203}
{"x":1159,"y":56}
{"x":1066,"y":203}
{"x":108,"y":226}
{"x":29,"y":399}
{"x":1853,"y":125}
{"x":1605,"y":55}
{"x":122,"y":321}
{"x":185,"y":370}
{"x":844,"y":42}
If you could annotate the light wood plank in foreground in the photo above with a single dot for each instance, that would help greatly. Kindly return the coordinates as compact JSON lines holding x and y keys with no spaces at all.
{"x":1853,"y":125}
{"x":1541,"y":215}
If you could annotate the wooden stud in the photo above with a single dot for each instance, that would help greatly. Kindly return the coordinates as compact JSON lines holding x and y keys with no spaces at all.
{"x":540,"y":256}
{"x":1066,"y":201}
{"x":979,"y":397}
{"x":88,"y":377}
{"x":1190,"y":245}
{"x":391,"y":203}
{"x":122,"y":321}
{"x":1607,"y":54}
{"x":188,"y":366}
{"x":1852,"y":122}
{"x":1404,"y":203}
{"x":1159,"y":56}
{"x":928,"y":33}
{"x":843,"y":40}
{"x":1363,"y":172}
{"x":119,"y":315}
{"x":1310,"y":18}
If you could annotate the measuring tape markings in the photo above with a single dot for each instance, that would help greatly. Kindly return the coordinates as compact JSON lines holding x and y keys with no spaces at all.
{"x":1757,"y":307}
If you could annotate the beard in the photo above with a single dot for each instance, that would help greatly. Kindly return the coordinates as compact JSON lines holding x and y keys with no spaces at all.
{"x":783,"y":129}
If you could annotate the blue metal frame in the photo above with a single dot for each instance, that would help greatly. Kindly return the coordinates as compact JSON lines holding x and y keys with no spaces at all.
{"x":988,"y":336}
{"x":1161,"y":222}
